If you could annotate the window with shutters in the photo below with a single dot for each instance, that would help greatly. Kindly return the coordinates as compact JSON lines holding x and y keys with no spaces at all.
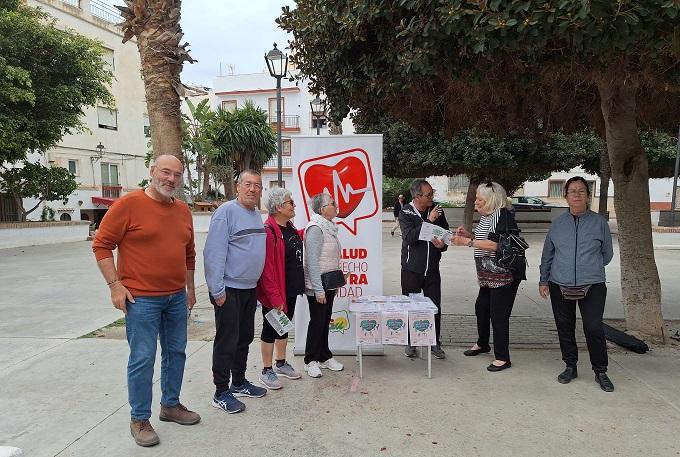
{"x":555,"y":189}
{"x":107,"y":118}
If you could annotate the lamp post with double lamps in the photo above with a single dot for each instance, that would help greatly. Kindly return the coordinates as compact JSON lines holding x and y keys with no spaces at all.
{"x":318,"y":107}
{"x":277,"y":64}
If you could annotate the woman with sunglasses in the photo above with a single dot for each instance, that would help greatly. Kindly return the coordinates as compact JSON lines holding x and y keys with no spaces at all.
{"x":497,"y":285}
{"x":281,"y":282}
{"x":576,"y":249}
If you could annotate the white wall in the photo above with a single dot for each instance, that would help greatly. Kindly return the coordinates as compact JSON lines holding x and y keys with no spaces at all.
{"x":127,"y":146}
{"x":38,"y":234}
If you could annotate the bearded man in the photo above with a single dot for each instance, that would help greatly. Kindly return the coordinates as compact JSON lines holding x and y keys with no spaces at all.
{"x":153,"y":285}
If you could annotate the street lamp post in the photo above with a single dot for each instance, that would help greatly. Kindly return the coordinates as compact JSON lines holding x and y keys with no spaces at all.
{"x":277,"y":64}
{"x":675,"y":182}
{"x":318,"y":107}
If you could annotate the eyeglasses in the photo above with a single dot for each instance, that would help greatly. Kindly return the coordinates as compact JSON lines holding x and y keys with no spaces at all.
{"x":490,"y":185}
{"x":292,"y":203}
{"x":329,"y":204}
{"x":577,"y":192}
{"x":168,"y":173}
{"x":252,"y":185}
{"x":428,"y":195}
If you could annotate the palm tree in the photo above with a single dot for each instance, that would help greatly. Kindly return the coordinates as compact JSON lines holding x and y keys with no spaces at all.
{"x":243,"y":138}
{"x":155,"y":25}
{"x":197,"y":145}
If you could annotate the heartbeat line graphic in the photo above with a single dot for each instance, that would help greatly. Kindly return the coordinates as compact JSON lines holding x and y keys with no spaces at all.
{"x":347,"y":191}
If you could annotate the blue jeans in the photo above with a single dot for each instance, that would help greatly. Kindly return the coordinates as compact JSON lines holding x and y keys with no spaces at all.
{"x":148,"y":317}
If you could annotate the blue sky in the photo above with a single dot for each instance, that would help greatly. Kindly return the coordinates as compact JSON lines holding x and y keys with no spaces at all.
{"x":231,"y":32}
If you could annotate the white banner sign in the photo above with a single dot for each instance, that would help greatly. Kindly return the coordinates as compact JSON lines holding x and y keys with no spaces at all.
{"x":349,"y":168}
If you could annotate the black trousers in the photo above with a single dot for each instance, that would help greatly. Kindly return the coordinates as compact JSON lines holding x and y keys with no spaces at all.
{"x":269,"y":335}
{"x":316,"y":346}
{"x":494,"y":305}
{"x":235,"y":329}
{"x":430,"y":286}
{"x":592,"y":310}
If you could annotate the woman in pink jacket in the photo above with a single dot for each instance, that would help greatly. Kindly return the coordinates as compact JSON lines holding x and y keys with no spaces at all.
{"x":280,"y":284}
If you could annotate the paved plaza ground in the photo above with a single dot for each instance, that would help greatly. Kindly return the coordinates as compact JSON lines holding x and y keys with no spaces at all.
{"x":65,"y":395}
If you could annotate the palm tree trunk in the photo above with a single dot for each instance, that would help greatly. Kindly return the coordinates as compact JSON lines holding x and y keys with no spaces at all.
{"x":155,"y":24}
{"x":641,"y":288}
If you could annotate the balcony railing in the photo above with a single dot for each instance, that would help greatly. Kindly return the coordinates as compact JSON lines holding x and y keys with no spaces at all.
{"x":287,"y":122}
{"x":287,"y":162}
{"x":104,"y":11}
{"x":111,"y":191}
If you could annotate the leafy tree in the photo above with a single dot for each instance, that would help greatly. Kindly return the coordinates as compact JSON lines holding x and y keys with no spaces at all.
{"x":661,"y":151}
{"x":529,"y":67}
{"x":33,"y":180}
{"x":393,"y":187}
{"x":196,"y":144}
{"x":243,"y":139}
{"x":481,"y":156}
{"x":47,"y":76}
{"x":155,"y":25}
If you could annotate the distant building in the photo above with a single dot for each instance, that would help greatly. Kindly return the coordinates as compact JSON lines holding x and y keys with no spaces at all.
{"x":232,"y":91}
{"x":107,"y":161}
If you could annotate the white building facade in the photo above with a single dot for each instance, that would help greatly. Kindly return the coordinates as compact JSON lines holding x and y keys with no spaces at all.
{"x":108,"y":160}
{"x":232,"y":91}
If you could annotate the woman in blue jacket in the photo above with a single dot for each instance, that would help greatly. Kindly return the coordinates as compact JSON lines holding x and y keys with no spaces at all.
{"x":576,"y":250}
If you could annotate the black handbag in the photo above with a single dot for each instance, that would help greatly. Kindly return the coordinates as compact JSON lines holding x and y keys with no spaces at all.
{"x":510,"y":253}
{"x":332,"y":280}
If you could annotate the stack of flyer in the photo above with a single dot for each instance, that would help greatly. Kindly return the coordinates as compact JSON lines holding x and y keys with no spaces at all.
{"x":394,"y":319}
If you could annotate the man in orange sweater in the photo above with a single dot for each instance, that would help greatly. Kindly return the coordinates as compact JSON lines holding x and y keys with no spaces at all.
{"x":153,"y":285}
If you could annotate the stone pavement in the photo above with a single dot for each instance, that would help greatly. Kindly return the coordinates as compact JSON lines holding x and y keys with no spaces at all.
{"x":66,"y":396}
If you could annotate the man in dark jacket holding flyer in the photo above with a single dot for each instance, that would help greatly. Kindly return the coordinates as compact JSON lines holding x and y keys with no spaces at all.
{"x":420,"y":259}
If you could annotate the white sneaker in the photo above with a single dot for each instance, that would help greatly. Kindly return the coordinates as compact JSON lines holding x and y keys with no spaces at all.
{"x":333,"y":365}
{"x":313,"y":369}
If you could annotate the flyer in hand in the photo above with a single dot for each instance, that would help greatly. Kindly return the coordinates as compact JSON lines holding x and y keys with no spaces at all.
{"x":428,"y":232}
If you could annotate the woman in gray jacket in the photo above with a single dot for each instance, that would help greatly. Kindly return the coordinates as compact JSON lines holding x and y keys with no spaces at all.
{"x":576,"y":250}
{"x":322,"y":255}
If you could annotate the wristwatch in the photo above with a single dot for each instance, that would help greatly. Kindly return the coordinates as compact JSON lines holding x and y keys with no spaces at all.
{"x":470,"y":242}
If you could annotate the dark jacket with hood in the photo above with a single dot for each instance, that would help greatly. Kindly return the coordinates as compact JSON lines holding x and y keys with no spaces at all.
{"x":418,"y":256}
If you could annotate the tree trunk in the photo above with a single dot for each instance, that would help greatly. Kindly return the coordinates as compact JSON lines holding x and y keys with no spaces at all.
{"x":640,"y":284}
{"x":190,"y":181}
{"x":199,"y":175}
{"x":21,"y":211}
{"x":155,"y":24}
{"x":335,"y":129}
{"x":605,"y":174}
{"x":206,"y":180}
{"x":229,"y":191}
{"x":162,"y":99}
{"x":468,"y":214}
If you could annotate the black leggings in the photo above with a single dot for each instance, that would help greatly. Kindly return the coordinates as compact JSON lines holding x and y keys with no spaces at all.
{"x":269,"y":335}
{"x":495,"y":305}
{"x":316,"y":347}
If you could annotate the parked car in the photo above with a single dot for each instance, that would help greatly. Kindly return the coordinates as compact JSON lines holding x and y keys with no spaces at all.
{"x":525,"y":203}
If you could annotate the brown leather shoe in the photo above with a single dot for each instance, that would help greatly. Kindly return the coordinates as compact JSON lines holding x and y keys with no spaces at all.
{"x":179,"y":414}
{"x":143,"y":433}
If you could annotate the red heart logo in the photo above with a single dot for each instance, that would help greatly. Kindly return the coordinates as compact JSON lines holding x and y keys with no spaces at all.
{"x":345,"y":182}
